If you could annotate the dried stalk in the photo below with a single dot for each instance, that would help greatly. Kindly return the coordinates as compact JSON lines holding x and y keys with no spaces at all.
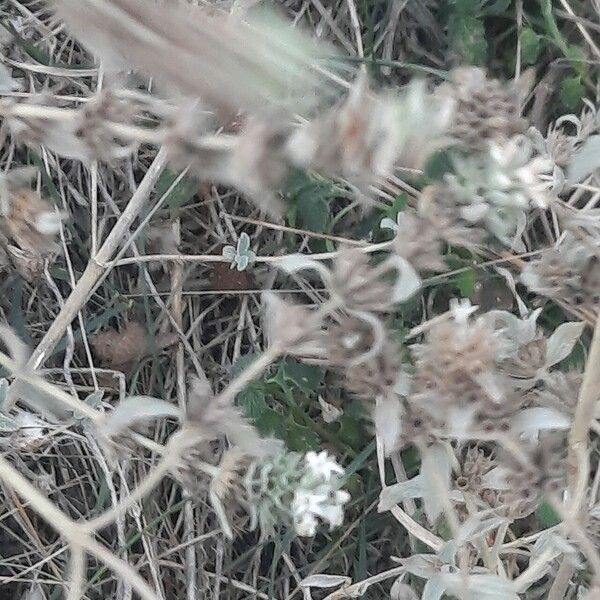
{"x":81,"y":292}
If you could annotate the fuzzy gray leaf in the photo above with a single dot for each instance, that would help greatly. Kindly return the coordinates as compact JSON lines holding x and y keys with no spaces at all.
{"x":562,"y":341}
{"x":322,"y":580}
{"x":586,"y":161}
{"x":435,"y":474}
{"x":402,"y":591}
{"x":3,"y":392}
{"x":8,"y":424}
{"x":394,"y":494}
{"x":434,"y":589}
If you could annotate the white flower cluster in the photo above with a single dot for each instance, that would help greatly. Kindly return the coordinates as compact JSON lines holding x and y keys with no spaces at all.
{"x":499,"y":188}
{"x":317,"y":495}
{"x":295,"y":491}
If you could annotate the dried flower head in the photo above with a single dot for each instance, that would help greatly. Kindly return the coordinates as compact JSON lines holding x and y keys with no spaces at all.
{"x":292,"y":328}
{"x":369,"y":360}
{"x":366,"y":136}
{"x":526,"y":479}
{"x":361,"y":285}
{"x":570,"y":271}
{"x":252,"y":161}
{"x":93,"y":131}
{"x":456,"y":366}
{"x":485,"y":109}
{"x":422,"y":235}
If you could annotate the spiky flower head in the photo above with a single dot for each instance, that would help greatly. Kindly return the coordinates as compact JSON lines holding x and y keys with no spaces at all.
{"x":370,"y":361}
{"x":570,"y":271}
{"x":485,"y":109}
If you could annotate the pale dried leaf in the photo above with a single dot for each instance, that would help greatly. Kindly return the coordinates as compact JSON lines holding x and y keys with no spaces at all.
{"x":329,"y":412}
{"x":562,"y":342}
{"x":322,"y":580}
{"x":585,"y":161}
{"x":402,"y":591}
{"x":136,"y":410}
{"x":388,"y":422}
{"x":394,"y":494}
{"x":408,"y":281}
{"x":435,"y":474}
{"x":532,"y":420}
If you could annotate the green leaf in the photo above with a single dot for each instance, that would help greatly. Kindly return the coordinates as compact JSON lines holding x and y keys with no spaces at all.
{"x":350,"y":431}
{"x":547,"y":516}
{"x":438,"y":165}
{"x":185,"y":189}
{"x":8,"y":424}
{"x":242,"y":363}
{"x":571,"y":92}
{"x":271,"y":423}
{"x":299,"y":437}
{"x":465,"y":282}
{"x":309,"y":199}
{"x":252,"y":400}
{"x":467,"y":38}
{"x":306,"y":378}
{"x":530,"y":46}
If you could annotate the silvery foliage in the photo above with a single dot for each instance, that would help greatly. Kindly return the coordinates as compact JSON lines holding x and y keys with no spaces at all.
{"x":295,"y":490}
{"x":240,"y":255}
{"x":444,"y":577}
{"x":514,"y":332}
{"x":499,"y":188}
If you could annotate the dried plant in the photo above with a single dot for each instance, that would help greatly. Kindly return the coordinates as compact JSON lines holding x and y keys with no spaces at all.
{"x":220,"y":445}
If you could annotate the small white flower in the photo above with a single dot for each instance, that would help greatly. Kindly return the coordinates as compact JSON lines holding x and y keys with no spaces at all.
{"x":322,"y":465}
{"x":461,"y":309}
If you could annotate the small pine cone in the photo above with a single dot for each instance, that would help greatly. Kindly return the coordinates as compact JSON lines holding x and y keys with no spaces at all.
{"x":31,"y":223}
{"x":359,"y":284}
{"x":376,"y":374}
{"x":119,"y":350}
{"x":485,"y":109}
